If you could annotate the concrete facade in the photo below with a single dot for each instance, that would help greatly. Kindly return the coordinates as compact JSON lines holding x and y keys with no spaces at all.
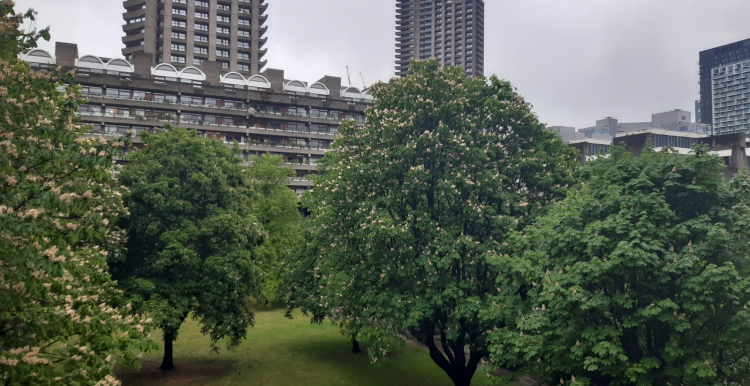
{"x":450,"y":31}
{"x":188,"y":33}
{"x":264,"y":113}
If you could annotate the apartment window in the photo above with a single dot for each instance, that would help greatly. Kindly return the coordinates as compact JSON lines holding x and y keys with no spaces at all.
{"x":242,"y":21}
{"x":200,"y":50}
{"x":243,"y":67}
{"x":178,"y":59}
{"x":181,"y":23}
{"x":243,"y":33}
{"x":242,"y":44}
{"x":243,"y":56}
{"x":222,"y":18}
{"x":179,"y":35}
{"x":222,"y":41}
{"x":222,"y":30}
{"x":91,"y":90}
{"x":222,"y":53}
{"x":201,"y":27}
{"x":245,"y":10}
{"x":201,"y":38}
{"x":178,"y":47}
{"x":179,"y":1}
{"x":135,"y":44}
{"x":223,"y":7}
{"x":179,"y":11}
{"x":201,"y":3}
{"x":198,"y":61}
{"x":224,"y":65}
{"x":201,"y":15}
{"x":136,"y":20}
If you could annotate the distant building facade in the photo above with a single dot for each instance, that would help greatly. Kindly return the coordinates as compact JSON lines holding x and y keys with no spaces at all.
{"x":187,"y":33}
{"x":450,"y":31}
{"x":730,"y":92}
{"x":732,"y":148}
{"x":567,"y":133}
{"x":709,"y":60}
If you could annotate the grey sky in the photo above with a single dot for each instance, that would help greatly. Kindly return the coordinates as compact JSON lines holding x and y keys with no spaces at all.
{"x":575,"y":60}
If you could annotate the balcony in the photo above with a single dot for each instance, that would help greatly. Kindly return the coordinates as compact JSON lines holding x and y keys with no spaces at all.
{"x":134,"y":26}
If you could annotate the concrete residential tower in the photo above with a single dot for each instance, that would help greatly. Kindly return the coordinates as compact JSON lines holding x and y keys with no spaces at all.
{"x":450,"y":31}
{"x":187,"y":33}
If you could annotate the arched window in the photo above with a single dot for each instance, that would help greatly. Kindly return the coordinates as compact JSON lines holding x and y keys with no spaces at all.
{"x":295,"y":86}
{"x":38,"y":56}
{"x":352,"y":92}
{"x":90,"y":61}
{"x":192,"y":73}
{"x":233,"y":78}
{"x":120,"y":65}
{"x":258,"y":81}
{"x":165,"y":70}
{"x":319,"y":89}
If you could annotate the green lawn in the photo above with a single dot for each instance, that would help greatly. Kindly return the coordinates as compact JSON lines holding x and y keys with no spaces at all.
{"x":283,"y":352}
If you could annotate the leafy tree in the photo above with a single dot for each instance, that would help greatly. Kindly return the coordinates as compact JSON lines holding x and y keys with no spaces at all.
{"x":191,"y":236}
{"x":61,"y":316}
{"x":410,"y":209}
{"x":640,"y":277}
{"x":277,"y":209}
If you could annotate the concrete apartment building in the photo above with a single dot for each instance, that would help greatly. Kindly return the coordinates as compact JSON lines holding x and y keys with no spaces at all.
{"x":711,"y":59}
{"x":450,"y":31}
{"x":730,"y":93}
{"x":187,"y":33}
{"x":263,"y":113}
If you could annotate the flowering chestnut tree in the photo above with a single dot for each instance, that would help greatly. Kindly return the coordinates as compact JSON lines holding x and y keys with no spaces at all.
{"x":192,"y":236}
{"x":62,"y":319}
{"x":640,"y":277}
{"x":410,"y":210}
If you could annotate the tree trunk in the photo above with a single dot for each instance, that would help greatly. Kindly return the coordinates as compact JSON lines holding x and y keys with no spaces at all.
{"x":355,"y":345}
{"x":167,"y":363}
{"x":461,"y":377}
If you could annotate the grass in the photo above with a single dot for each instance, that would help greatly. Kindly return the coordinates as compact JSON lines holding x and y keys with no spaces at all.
{"x":283,"y":352}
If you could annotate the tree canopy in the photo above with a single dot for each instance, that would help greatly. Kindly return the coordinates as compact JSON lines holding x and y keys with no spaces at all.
{"x":410,"y":209}
{"x":191,"y":236}
{"x":61,"y":316}
{"x":277,"y":209}
{"x":639,"y":277}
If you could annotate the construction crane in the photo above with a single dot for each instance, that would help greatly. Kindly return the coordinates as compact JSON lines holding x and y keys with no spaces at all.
{"x":348,"y":76}
{"x":363,"y":81}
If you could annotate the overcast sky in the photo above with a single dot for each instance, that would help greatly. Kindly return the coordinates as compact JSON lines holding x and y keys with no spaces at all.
{"x":575,"y":60}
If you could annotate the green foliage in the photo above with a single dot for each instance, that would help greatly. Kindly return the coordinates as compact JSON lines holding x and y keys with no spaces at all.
{"x":61,"y":316}
{"x":640,"y":277}
{"x":410,"y":211}
{"x":191,"y":235}
{"x":277,"y":210}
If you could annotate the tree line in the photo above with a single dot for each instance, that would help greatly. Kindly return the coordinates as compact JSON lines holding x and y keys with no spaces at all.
{"x":453,"y":218}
